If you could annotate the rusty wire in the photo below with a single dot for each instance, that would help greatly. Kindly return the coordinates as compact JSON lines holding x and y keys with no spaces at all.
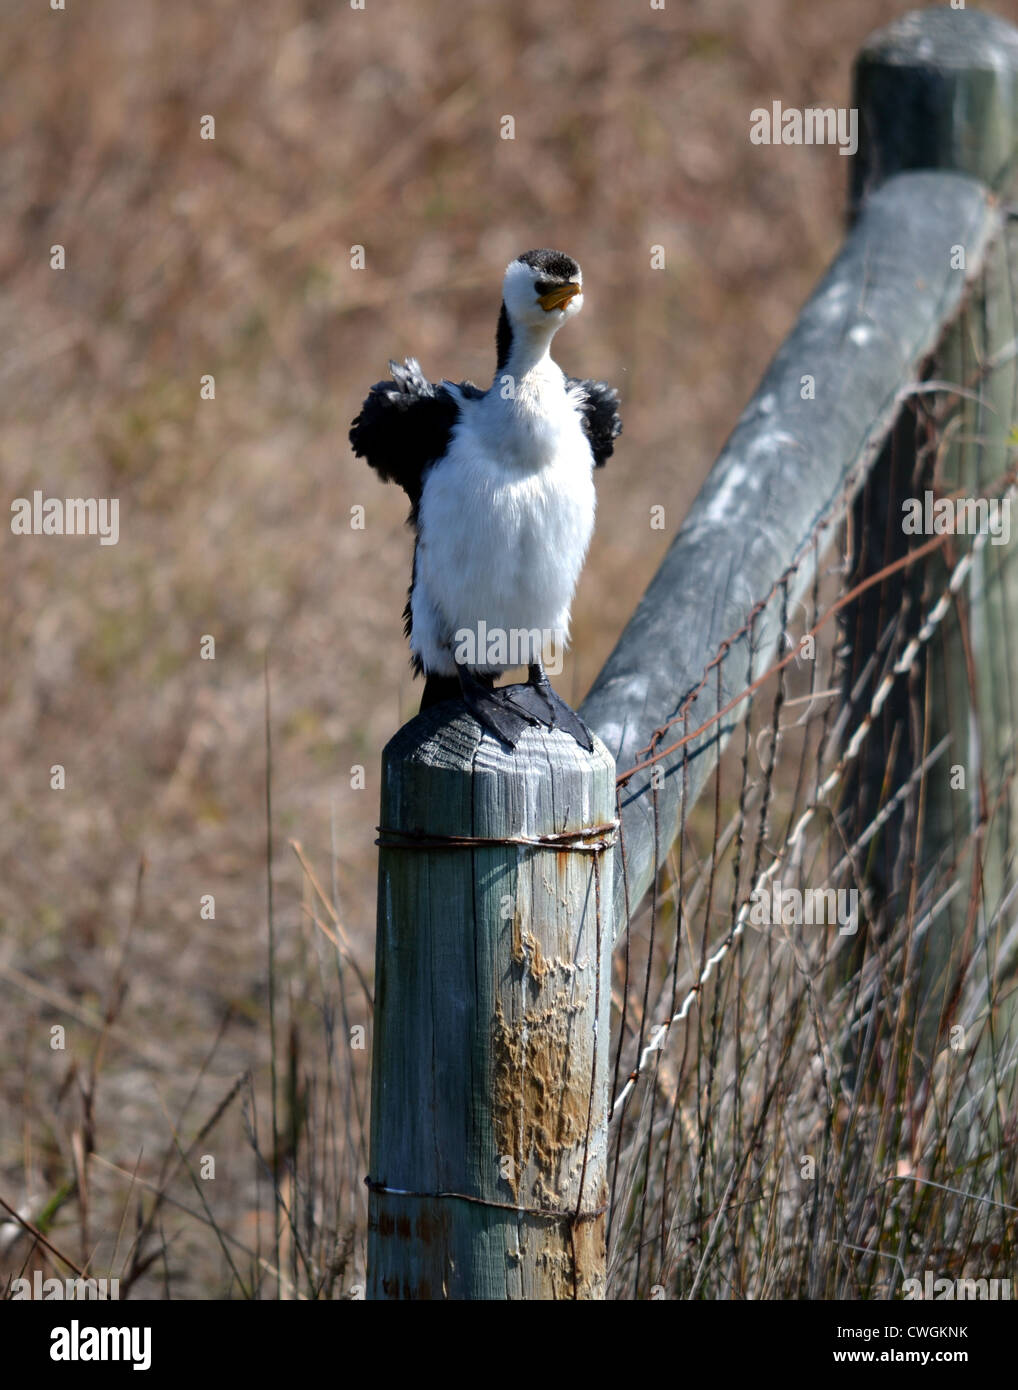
{"x":694,"y":1107}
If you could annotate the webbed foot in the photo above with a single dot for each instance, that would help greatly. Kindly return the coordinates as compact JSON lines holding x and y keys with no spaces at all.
{"x":492,"y":708}
{"x":539,"y":702}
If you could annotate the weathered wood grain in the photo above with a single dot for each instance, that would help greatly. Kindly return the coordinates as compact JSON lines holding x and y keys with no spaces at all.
{"x":492,"y":1011}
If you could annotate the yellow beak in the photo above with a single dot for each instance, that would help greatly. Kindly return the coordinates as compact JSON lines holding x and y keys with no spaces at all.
{"x":559,"y":296}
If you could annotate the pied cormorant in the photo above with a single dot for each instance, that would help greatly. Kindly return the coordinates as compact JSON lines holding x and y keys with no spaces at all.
{"x":502,"y":496}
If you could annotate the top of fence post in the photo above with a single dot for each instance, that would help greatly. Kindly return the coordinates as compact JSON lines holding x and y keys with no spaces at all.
{"x":937,"y":89}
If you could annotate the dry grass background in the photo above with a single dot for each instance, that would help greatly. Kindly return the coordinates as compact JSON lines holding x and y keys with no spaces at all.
{"x":334,"y":127}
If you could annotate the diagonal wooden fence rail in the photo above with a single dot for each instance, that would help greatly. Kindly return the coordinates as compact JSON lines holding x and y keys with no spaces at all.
{"x":506,"y":879}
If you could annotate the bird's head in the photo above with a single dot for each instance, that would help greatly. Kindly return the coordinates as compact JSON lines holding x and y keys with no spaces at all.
{"x":542,"y":289}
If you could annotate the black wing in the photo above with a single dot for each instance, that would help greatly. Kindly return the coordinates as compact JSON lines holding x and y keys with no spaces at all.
{"x":404,"y":426}
{"x":602,"y":422}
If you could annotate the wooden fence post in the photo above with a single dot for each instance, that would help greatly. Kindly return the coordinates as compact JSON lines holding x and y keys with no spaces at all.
{"x":938,"y":89}
{"x":872,"y":320}
{"x":490,"y":1070}
{"x":935,"y":89}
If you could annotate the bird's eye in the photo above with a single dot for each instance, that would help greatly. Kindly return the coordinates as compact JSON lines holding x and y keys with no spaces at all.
{"x":544,"y":286}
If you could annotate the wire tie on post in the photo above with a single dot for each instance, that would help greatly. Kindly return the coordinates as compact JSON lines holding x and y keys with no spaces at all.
{"x":546,"y":1213}
{"x":591,"y":839}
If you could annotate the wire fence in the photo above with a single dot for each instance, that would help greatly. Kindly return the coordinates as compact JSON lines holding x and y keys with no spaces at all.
{"x":814,"y":1043}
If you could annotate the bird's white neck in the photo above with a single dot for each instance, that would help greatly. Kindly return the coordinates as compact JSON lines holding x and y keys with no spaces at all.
{"x":531,"y":352}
